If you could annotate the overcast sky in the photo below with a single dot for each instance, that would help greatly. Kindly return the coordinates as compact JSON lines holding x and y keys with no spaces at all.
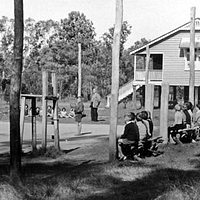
{"x":149,"y":18}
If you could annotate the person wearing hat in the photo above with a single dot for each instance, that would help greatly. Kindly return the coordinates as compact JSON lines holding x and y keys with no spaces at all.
{"x":177,"y":125}
{"x":79,"y":109}
{"x":129,"y":136}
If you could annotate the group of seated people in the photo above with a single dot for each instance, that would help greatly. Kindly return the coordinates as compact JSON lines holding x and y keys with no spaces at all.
{"x":138,"y":129}
{"x":186,"y":124}
{"x":62,"y":113}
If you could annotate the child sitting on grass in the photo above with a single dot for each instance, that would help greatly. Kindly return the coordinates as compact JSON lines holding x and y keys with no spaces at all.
{"x":130,"y":135}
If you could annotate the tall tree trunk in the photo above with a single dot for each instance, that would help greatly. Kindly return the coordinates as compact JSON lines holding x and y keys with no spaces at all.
{"x":15,"y":88}
{"x":115,"y":81}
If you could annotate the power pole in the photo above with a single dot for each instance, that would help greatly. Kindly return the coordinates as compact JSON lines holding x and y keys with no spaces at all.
{"x":115,"y":81}
{"x":79,"y":70}
{"x":192,"y":56}
{"x":15,"y":89}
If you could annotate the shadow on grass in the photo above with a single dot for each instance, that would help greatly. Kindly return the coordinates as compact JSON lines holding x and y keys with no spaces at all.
{"x":105,"y":186}
{"x":151,"y":186}
{"x":87,"y":179}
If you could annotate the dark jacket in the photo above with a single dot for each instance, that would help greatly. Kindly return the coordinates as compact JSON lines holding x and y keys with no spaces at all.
{"x":131,"y":132}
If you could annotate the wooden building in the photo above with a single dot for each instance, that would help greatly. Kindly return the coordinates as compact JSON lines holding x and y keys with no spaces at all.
{"x":169,"y":62}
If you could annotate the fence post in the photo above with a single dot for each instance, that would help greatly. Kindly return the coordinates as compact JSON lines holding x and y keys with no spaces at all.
{"x":22,"y":114}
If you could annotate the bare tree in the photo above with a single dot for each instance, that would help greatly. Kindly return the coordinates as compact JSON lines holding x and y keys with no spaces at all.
{"x":15,"y":88}
{"x":115,"y":80}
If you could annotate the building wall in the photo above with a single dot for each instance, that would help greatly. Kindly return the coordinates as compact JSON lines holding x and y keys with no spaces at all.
{"x":173,"y":62}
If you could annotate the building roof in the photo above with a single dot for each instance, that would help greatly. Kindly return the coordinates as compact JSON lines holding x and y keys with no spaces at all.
{"x":184,"y":27}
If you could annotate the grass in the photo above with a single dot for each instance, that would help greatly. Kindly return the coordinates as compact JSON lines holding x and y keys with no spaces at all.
{"x":85,"y":173}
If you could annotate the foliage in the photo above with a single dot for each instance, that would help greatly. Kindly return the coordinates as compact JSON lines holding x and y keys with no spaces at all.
{"x":53,"y":45}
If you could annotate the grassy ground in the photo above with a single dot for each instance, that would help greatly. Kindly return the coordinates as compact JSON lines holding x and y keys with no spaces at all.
{"x":85,"y":173}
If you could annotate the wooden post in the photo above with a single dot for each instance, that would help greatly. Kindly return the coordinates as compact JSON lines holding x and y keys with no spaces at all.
{"x":34,"y":134}
{"x":44,"y":107}
{"x":147,"y":65}
{"x":55,"y":113}
{"x":164,"y":112}
{"x":147,"y":87}
{"x":115,"y":81}
{"x":196,"y":95}
{"x":79,"y":70}
{"x":134,"y":97}
{"x":192,"y":56}
{"x":22,"y":114}
{"x":149,"y":98}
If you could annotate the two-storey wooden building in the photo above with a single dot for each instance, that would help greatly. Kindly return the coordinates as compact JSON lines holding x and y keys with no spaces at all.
{"x":169,"y":62}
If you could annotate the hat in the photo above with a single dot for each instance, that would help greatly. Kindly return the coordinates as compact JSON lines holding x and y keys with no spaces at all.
{"x":177,"y":107}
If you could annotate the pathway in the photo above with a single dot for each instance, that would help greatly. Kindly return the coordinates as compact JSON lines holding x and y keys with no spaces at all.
{"x":68,"y":140}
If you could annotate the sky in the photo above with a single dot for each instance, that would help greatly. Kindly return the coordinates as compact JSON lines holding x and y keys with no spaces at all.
{"x":149,"y":18}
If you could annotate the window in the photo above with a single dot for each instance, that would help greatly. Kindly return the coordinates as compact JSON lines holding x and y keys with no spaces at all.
{"x":196,"y":59}
{"x":157,"y":61}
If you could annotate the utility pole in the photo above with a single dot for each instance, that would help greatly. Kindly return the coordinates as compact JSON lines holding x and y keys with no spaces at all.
{"x":115,"y":81}
{"x":192,"y":56}
{"x":79,"y":70}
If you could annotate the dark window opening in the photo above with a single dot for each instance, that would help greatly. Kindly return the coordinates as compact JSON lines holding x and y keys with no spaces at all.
{"x":156,"y":61}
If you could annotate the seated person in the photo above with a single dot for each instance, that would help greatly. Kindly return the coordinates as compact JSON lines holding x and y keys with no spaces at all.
{"x":197,"y":115}
{"x":130,"y":135}
{"x":49,"y":111}
{"x":26,"y":110}
{"x":63,"y":113}
{"x":30,"y":112}
{"x":143,"y":127}
{"x":186,"y":116}
{"x":146,"y":115}
{"x":37,"y":111}
{"x":71,"y":113}
{"x":177,"y":125}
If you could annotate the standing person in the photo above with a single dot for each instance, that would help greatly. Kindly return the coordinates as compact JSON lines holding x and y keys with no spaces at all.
{"x":79,"y":108}
{"x":95,"y":102}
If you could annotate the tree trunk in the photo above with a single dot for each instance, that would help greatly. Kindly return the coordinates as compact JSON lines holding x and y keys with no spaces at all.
{"x":15,"y":88}
{"x":115,"y":81}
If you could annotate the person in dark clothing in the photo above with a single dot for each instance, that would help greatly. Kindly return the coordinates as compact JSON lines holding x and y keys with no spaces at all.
{"x":130,"y":135}
{"x":95,"y":102}
{"x":187,"y":116}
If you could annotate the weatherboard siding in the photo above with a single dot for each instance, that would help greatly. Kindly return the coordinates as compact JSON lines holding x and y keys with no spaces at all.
{"x":173,"y":64}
